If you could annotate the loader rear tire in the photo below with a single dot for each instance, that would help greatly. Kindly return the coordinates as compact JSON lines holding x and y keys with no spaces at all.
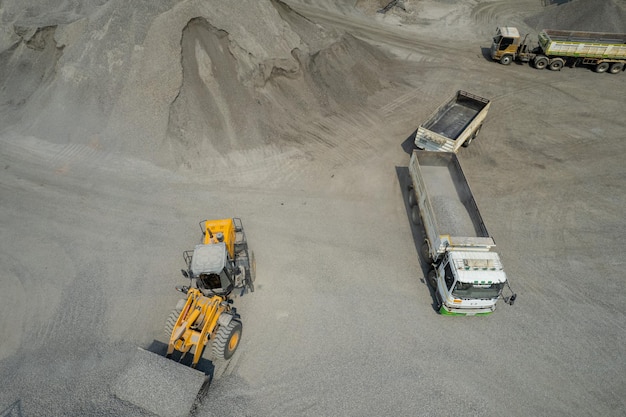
{"x":251,"y":271}
{"x":227,"y":339}
{"x":171,"y":322}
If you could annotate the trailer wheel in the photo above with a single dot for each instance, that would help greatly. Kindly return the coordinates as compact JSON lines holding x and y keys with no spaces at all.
{"x":616,"y":67}
{"x":432,"y":279}
{"x":412,"y":198}
{"x":506,"y":59}
{"x":227,"y":339}
{"x":541,"y":62}
{"x":415,"y":215}
{"x":471,"y":138}
{"x":556,"y":64}
{"x":602,"y":67}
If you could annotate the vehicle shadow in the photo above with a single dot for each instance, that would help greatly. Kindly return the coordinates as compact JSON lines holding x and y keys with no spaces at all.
{"x":417,"y":231}
{"x":204,"y":365}
{"x":408,"y":145}
{"x":486,"y":53}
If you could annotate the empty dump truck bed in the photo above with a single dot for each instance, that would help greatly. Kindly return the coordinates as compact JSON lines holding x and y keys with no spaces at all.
{"x":454,"y":124}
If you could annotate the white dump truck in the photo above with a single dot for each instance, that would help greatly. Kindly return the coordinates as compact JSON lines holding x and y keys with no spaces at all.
{"x":467,"y":275}
{"x":455,"y":123}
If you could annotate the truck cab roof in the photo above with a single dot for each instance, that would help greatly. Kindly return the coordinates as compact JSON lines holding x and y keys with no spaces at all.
{"x":477,"y":267}
{"x":508,"y":32}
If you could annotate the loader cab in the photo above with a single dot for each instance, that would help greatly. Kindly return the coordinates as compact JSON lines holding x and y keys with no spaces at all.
{"x":505,"y":43}
{"x":211,"y":266}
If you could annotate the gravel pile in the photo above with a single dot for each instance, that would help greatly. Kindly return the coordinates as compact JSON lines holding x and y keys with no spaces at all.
{"x":452,"y":216}
{"x":159,"y":385}
{"x":584,"y":15}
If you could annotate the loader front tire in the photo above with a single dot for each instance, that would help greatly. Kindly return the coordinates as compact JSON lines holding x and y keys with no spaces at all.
{"x":171,"y":322}
{"x":227,"y":339}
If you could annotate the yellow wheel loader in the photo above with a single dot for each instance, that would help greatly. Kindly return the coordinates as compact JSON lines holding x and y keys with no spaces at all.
{"x":219,"y":265}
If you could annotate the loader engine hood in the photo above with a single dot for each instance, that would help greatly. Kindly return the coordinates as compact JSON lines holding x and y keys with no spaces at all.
{"x":208,"y":259}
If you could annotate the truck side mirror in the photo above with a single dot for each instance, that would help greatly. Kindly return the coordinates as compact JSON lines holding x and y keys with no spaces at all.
{"x":512,"y":299}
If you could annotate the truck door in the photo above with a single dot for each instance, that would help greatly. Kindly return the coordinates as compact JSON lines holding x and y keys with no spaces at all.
{"x":448,"y":276}
{"x":506,"y":43}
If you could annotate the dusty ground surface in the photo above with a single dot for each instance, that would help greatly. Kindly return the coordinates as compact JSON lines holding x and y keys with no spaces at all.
{"x":121,"y":128}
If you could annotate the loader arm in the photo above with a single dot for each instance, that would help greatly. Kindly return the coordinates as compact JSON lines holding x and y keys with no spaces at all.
{"x":196,"y":324}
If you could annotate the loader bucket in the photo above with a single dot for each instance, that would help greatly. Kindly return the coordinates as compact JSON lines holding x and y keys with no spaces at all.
{"x":160,"y":385}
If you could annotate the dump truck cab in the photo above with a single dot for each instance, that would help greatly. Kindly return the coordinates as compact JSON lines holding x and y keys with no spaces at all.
{"x":468,"y":283}
{"x":505,"y":44}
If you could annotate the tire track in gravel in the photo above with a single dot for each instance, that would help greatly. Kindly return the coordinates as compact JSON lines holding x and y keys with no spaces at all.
{"x":323,"y":144}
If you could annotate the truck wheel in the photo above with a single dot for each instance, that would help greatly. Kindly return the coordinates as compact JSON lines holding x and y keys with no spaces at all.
{"x":432,"y":279}
{"x":227,"y":339}
{"x":602,"y":67}
{"x":438,"y":302}
{"x":425,"y":252}
{"x":415,"y":215}
{"x":616,"y":67}
{"x":471,"y":138}
{"x":171,"y":321}
{"x":556,"y":64}
{"x":412,"y":198}
{"x":541,"y":62}
{"x":506,"y":59}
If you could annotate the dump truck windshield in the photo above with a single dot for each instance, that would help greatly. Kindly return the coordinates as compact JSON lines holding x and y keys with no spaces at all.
{"x":505,"y":43}
{"x":466,"y":290}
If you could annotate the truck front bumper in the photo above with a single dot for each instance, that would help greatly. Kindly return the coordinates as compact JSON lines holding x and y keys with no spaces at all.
{"x":452,"y":311}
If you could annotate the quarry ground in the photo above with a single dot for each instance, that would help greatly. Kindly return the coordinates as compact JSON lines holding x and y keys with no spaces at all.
{"x":342,"y":321}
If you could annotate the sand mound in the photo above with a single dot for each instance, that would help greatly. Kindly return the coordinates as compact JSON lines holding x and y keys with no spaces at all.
{"x":173,"y":83}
